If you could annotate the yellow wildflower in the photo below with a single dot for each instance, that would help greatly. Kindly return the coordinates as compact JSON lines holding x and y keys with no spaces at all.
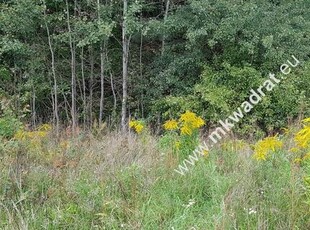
{"x":177,"y":144}
{"x":20,"y":135}
{"x":205,"y":152}
{"x":45,"y":127}
{"x":302,"y":138}
{"x":40,"y":133}
{"x":139,"y":128}
{"x":297,"y":160}
{"x":306,"y":120}
{"x":188,"y":116}
{"x":294,"y":150}
{"x":171,"y":125}
{"x":285,"y":131}
{"x":198,"y":122}
{"x":186,"y":130}
{"x":240,"y":145}
{"x":260,"y":156}
{"x":33,"y":139}
{"x":136,"y":125}
{"x":190,"y":121}
{"x":132,"y":124}
{"x":263,"y":147}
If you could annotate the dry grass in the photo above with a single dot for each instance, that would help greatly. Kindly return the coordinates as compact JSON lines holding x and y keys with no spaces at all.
{"x":125,"y":182}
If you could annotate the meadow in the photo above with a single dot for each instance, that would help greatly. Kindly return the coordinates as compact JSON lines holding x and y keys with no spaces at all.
{"x":157,"y":114}
{"x":110,"y":180}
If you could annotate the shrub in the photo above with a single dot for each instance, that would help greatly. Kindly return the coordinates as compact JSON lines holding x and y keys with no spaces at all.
{"x":182,"y":135}
{"x":9,"y":125}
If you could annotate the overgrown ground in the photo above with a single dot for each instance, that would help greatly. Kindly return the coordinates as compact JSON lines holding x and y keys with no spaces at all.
{"x":115,"y":181}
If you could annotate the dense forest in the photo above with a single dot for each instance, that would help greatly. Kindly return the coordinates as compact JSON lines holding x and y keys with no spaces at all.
{"x":88,"y":62}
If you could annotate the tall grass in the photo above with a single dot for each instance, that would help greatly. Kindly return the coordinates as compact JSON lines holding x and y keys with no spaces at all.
{"x":126,"y":182}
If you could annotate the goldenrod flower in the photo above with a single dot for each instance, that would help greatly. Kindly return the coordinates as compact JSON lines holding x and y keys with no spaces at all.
{"x":297,"y":160}
{"x":33,"y":139}
{"x":177,"y":144}
{"x":302,"y":138}
{"x":40,"y":133}
{"x":136,"y":125}
{"x":192,"y":118}
{"x":285,"y":131}
{"x":198,"y":122}
{"x":190,"y":122}
{"x":45,"y":127}
{"x":263,"y":147}
{"x":294,"y":150}
{"x":306,"y":120}
{"x":186,"y":130}
{"x":20,"y":135}
{"x":132,"y":124}
{"x":188,"y":116}
{"x":205,"y":153}
{"x":171,"y":125}
{"x":139,"y":128}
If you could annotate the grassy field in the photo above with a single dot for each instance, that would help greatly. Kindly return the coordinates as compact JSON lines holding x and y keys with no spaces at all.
{"x":117,"y":181}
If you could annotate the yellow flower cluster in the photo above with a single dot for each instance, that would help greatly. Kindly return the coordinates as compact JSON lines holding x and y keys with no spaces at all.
{"x":302,"y":138}
{"x":41,"y":132}
{"x":33,"y":138}
{"x":265,"y":146}
{"x":136,"y":125}
{"x":171,"y":125}
{"x":188,"y":122}
{"x":205,"y":153}
{"x":191,"y":120}
{"x":45,"y":127}
{"x":186,"y":130}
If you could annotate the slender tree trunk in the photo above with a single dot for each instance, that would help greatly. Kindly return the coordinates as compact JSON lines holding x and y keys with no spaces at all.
{"x":102,"y":68}
{"x":165,"y":19}
{"x":91,"y":83}
{"x":125,"y":43}
{"x":141,"y":70}
{"x":84,"y":88}
{"x":67,"y":106}
{"x":55,"y":93}
{"x":73,"y":73}
{"x":102,"y":47}
{"x":33,"y":109}
{"x":114,"y":95}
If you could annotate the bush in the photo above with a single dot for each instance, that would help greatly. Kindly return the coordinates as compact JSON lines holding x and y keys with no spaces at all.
{"x":9,"y":125}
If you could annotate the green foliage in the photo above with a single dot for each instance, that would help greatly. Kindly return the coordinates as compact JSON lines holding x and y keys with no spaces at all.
{"x":222,"y":91}
{"x":4,"y":74}
{"x":306,"y":182}
{"x":190,"y":59}
{"x":9,"y":125}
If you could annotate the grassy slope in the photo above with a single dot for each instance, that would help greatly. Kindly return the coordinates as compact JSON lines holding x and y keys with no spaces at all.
{"x":124,"y":182}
